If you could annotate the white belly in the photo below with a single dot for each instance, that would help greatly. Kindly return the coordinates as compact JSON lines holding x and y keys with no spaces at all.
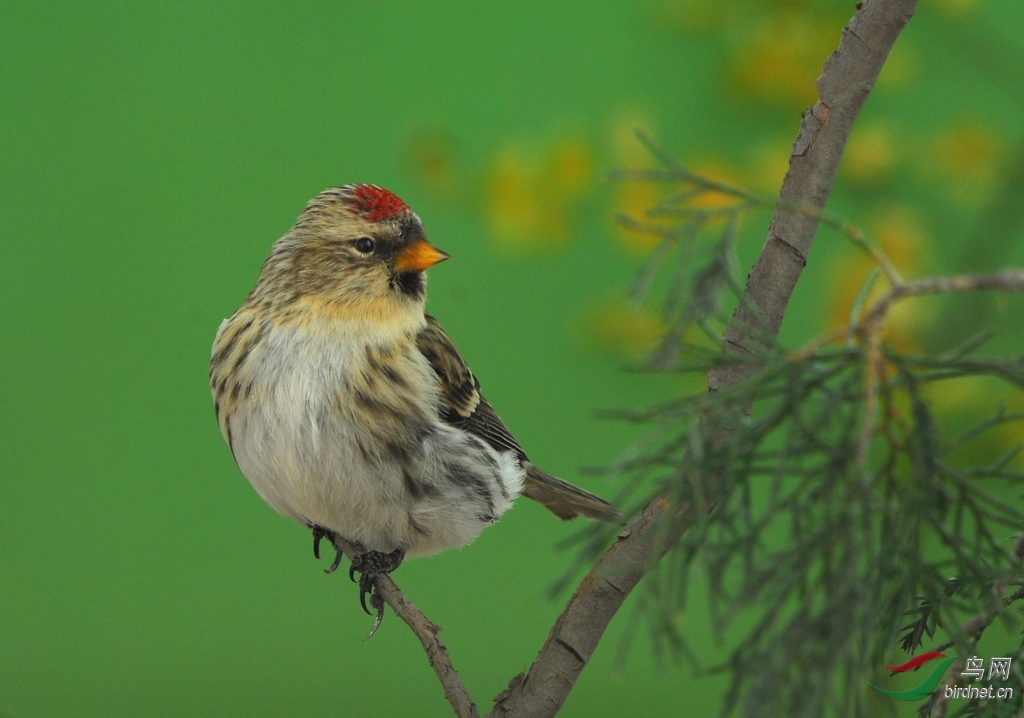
{"x":316,"y":457}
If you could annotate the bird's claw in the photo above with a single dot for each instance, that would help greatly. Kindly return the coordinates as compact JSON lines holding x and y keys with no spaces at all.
{"x":366,"y":589}
{"x":377,"y":601}
{"x":335,"y":563}
{"x":370,"y":565}
{"x":320,"y":533}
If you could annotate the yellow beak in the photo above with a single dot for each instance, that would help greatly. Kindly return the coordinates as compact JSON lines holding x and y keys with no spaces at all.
{"x":418,"y":255}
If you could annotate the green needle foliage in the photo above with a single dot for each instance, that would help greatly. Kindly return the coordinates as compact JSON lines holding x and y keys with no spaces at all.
{"x":842,"y":517}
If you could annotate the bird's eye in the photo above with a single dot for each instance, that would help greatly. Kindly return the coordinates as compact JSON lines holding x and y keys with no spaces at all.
{"x":364,"y":245}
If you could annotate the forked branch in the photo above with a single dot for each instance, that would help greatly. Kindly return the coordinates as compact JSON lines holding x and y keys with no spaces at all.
{"x":847,"y":78}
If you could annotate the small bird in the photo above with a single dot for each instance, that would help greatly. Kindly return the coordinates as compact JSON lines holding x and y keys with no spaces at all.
{"x":349,"y":409}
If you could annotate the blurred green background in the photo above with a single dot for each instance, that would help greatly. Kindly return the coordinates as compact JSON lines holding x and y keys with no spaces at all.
{"x":150,"y":154}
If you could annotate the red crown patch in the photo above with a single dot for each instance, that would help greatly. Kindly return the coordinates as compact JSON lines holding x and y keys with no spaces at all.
{"x":376,"y":203}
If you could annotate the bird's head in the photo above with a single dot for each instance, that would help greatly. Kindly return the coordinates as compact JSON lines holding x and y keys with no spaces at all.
{"x":357,"y":248}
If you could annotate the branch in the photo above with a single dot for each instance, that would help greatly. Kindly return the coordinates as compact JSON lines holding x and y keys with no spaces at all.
{"x":426,"y":630}
{"x":847,"y":78}
{"x":576,"y":633}
{"x":873,"y":324}
{"x":1008,"y":280}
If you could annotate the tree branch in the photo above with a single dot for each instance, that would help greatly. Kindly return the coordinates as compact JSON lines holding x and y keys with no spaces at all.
{"x":425,"y":629}
{"x":873,"y":324}
{"x":847,"y":78}
{"x":579,"y":628}
{"x":1008,"y":280}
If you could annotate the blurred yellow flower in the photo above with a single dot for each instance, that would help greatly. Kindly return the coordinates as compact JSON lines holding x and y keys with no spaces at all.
{"x":971,"y":399}
{"x":1012,"y":434}
{"x":693,"y":16}
{"x":633,"y":199}
{"x":961,"y":394}
{"x":431,"y":156}
{"x":958,"y":7}
{"x":514,"y":213}
{"x":571,"y":167}
{"x":780,"y":61}
{"x":870,"y":152}
{"x":627,"y":150}
{"x":716,"y":170}
{"x":901,"y":235}
{"x":900,"y":67}
{"x":627,"y":331}
{"x":531,"y":197}
{"x":907,"y":320}
{"x":769,"y":164}
{"x":966,"y":156}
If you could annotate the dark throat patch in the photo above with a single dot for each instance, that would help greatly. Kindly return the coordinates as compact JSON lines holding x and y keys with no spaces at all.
{"x":410,"y":284}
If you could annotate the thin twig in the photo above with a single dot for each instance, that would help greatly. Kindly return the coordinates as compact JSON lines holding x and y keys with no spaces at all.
{"x":874,"y":365}
{"x":862,"y":241}
{"x":1008,"y":280}
{"x":872,"y":328}
{"x":428,"y":633}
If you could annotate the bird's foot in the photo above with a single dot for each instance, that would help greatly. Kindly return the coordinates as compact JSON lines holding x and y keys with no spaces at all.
{"x":370,"y":565}
{"x":320,"y":533}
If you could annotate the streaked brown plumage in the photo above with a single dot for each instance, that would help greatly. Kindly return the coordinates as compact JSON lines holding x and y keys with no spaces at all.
{"x":348,"y":407}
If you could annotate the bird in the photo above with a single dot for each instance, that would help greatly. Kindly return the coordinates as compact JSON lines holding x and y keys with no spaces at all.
{"x":348,"y":407}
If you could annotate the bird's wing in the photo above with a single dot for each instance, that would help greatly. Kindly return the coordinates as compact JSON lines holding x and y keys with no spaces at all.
{"x":461,"y":403}
{"x":463,"y":407}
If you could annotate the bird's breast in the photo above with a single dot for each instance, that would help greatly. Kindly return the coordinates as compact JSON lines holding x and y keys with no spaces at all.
{"x":325,"y":413}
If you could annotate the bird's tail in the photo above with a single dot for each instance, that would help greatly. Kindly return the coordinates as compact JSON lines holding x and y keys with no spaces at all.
{"x":565,"y":500}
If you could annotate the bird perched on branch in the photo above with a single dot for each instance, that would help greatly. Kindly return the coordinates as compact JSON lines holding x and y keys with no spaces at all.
{"x":349,"y":409}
